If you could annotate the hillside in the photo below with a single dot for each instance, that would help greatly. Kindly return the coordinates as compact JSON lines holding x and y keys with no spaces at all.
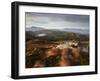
{"x":48,"y":34}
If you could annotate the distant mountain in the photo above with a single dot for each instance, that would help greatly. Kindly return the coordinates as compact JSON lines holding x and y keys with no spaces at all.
{"x":34,"y":29}
{"x":55,"y":34}
{"x":81,"y":31}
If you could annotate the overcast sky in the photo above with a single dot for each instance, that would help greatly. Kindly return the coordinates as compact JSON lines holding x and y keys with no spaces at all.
{"x":57,"y":21}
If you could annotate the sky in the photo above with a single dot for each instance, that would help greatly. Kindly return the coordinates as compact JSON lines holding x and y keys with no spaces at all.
{"x":56,"y":21}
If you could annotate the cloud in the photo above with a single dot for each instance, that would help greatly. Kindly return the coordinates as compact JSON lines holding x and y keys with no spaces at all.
{"x":57,"y":21}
